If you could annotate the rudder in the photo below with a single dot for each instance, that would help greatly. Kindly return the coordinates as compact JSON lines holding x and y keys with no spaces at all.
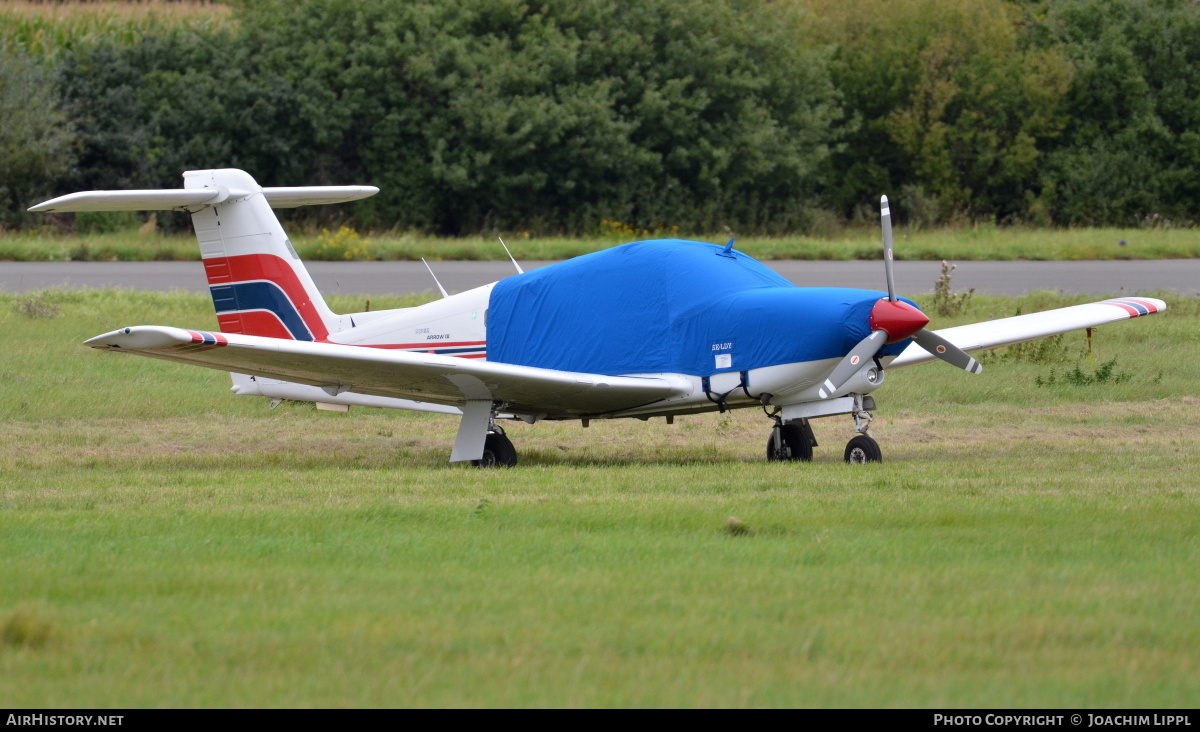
{"x":259,"y":285}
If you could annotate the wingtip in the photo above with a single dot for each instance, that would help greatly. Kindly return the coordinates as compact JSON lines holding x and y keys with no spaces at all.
{"x":142,"y":337}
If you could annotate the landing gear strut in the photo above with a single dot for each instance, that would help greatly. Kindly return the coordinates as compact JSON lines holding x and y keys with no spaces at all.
{"x":498,"y":450}
{"x":862,"y":449}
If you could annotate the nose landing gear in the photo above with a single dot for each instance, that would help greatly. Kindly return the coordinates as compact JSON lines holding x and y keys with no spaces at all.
{"x":862,"y":450}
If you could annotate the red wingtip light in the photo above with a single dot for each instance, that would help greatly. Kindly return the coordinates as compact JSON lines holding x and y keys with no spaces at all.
{"x":898,"y":319}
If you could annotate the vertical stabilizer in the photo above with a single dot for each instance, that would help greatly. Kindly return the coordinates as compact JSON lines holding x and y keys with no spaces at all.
{"x":258,"y":284}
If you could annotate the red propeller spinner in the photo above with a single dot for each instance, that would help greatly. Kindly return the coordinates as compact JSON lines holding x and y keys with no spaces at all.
{"x":897,"y":318}
{"x":891,"y":321}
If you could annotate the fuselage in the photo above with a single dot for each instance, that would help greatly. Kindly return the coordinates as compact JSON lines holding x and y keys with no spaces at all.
{"x":728,"y":327}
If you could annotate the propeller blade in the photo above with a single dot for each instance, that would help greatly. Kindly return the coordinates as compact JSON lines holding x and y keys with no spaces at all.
{"x":946,"y":351}
{"x":885,"y":212}
{"x":863,"y":351}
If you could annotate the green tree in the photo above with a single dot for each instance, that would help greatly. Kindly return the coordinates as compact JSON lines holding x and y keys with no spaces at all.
{"x":550,"y":115}
{"x":1132,"y":146}
{"x":177,"y":101}
{"x":475,"y":115}
{"x":954,"y":110}
{"x":37,"y":144}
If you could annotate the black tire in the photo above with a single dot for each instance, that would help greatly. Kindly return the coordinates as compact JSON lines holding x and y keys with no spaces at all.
{"x":863,"y":449}
{"x":794,"y":444}
{"x":498,"y":452}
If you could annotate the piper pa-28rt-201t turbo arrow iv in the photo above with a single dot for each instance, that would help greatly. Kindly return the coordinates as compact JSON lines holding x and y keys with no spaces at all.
{"x":648,"y":329}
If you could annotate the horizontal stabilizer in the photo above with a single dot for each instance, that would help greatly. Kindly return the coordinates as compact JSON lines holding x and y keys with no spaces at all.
{"x":158,"y":200}
{"x":193,"y":199}
{"x":315,"y":195}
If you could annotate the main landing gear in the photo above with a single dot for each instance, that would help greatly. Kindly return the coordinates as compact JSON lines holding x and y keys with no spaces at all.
{"x":498,"y":450}
{"x":791,"y":441}
{"x":795,"y":440}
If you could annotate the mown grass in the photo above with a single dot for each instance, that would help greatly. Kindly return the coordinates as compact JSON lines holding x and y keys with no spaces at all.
{"x":163,"y":543}
{"x":965,"y":244}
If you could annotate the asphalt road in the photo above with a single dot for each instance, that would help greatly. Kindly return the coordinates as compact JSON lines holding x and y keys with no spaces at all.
{"x":378,"y":278}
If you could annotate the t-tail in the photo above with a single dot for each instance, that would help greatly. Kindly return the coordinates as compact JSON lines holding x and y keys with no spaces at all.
{"x":259,"y":285}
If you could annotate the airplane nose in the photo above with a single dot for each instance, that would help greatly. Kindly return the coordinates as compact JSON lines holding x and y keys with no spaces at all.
{"x":896,"y":318}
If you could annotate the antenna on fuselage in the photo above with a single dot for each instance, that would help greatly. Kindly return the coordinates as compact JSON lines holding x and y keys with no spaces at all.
{"x":435,"y":279}
{"x":510,"y":256}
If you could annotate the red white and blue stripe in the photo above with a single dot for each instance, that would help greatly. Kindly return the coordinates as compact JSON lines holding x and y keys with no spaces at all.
{"x":1135,"y":306}
{"x":459,"y":349}
{"x":260,"y":294}
{"x":201,"y":341}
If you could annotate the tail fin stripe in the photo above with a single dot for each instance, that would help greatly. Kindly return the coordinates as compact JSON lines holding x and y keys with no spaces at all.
{"x":223,"y":299}
{"x":261,"y":296}
{"x":257,"y":322}
{"x":217,"y":271}
{"x":288,"y":298}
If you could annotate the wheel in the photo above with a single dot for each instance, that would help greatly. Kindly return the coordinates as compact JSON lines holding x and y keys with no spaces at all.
{"x":498,"y":452}
{"x":793,"y":444}
{"x":863,"y":449}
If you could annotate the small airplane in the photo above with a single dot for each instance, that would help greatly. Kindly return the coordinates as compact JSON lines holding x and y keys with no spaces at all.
{"x":657,"y":328}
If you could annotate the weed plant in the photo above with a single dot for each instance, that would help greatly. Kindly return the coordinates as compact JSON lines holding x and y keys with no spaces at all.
{"x":945,"y":300}
{"x":37,"y":306}
{"x":1106,"y":373}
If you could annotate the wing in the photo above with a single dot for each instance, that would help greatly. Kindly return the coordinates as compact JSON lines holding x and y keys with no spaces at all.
{"x":417,"y":376}
{"x":1007,"y":331}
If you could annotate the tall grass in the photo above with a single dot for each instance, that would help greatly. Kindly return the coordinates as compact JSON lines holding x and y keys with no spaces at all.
{"x":45,"y":28}
{"x":953,"y":244}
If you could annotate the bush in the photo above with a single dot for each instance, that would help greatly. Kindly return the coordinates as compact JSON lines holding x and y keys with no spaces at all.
{"x":345,"y":244}
{"x":952,"y":109}
{"x":1131,"y":145}
{"x":37,"y":143}
{"x":555,"y":117}
{"x":470,"y":117}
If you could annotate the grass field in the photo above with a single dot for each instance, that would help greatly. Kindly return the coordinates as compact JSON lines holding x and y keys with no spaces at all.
{"x":979,"y":243}
{"x":164,"y":543}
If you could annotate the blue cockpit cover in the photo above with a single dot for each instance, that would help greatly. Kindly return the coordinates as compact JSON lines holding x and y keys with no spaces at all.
{"x":670,"y":306}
